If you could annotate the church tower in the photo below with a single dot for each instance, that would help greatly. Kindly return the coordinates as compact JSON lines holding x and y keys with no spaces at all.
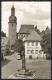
{"x":12,"y":27}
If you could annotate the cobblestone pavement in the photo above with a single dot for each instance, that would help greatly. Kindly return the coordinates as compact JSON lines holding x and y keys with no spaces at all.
{"x":41,"y":68}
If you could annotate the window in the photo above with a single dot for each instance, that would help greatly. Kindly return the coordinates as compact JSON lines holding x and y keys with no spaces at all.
{"x":36,"y":51}
{"x":20,"y":35}
{"x":28,"y":44}
{"x":32,"y":51}
{"x":40,"y":52}
{"x":32,"y":43}
{"x":23,"y":35}
{"x":36,"y":43}
{"x":30,"y":56}
{"x":27,"y":51}
{"x":27,"y":35}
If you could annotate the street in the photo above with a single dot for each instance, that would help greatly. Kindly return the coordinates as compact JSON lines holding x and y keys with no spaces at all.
{"x":42,"y":68}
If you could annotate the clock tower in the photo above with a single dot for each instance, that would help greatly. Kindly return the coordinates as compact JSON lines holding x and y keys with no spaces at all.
{"x":12,"y":27}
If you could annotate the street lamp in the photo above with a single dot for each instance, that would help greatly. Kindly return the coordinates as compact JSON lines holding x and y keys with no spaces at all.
{"x":20,"y":49}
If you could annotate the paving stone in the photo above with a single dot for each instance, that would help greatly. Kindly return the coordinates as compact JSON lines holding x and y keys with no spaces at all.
{"x":17,"y":76}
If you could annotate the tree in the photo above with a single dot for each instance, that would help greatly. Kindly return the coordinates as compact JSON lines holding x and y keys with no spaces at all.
{"x":37,"y":30}
{"x":3,"y":34}
{"x":19,"y":47}
{"x":46,"y":43}
{"x":7,"y":50}
{"x":42,"y":33}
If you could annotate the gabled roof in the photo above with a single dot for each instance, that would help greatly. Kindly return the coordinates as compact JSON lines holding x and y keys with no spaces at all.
{"x":33,"y":36}
{"x":26,"y":28}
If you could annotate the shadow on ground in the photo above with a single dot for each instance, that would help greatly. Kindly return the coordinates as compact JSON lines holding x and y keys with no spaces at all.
{"x":5,"y":62}
{"x":9,"y":54}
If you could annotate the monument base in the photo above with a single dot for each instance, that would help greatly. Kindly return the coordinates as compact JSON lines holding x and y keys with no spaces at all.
{"x":23,"y":74}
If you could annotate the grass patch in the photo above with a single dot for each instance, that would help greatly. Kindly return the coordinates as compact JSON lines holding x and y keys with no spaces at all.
{"x":9,"y":54}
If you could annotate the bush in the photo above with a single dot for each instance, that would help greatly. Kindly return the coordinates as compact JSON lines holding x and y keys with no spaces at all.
{"x":7,"y":52}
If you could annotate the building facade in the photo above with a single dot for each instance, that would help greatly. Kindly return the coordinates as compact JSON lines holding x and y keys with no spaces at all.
{"x":32,"y":46}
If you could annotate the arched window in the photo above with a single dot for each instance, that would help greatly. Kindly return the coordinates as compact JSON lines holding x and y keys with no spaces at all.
{"x":32,"y":43}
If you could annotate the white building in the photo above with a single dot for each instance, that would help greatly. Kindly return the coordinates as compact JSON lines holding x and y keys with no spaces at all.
{"x":32,"y":46}
{"x":31,"y":41}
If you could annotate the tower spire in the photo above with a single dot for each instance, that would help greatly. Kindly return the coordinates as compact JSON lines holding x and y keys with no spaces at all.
{"x":13,"y":18}
{"x":12,"y":11}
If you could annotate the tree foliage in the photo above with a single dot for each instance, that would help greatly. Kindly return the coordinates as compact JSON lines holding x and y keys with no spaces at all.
{"x":3,"y":34}
{"x":19,"y":47}
{"x":7,"y":50}
{"x":37,"y":30}
{"x":46,"y":43}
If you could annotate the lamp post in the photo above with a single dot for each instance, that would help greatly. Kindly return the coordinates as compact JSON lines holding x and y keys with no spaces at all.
{"x":19,"y":47}
{"x":22,"y":57}
{"x":23,"y":60}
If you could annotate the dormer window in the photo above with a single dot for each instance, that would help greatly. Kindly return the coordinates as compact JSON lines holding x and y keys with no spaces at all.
{"x":36,"y":43}
{"x":32,"y":43}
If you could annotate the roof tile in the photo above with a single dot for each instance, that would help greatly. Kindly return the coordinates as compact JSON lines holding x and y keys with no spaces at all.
{"x":26,"y":28}
{"x":33,"y":36}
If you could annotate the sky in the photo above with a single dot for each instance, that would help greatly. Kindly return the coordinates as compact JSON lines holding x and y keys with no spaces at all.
{"x":34,"y":13}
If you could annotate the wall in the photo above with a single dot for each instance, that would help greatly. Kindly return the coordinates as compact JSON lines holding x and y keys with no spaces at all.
{"x":35,"y":53}
{"x":12,"y":33}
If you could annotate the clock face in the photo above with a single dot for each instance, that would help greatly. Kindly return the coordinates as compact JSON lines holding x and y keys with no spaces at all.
{"x":12,"y":19}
